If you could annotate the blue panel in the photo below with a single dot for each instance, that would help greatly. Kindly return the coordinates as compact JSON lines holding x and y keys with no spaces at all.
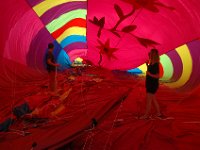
{"x":64,"y":60}
{"x":72,"y":39}
{"x":135,"y":71}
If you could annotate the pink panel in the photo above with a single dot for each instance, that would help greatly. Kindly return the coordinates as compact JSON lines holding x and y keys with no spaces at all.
{"x":164,"y":25}
{"x":77,"y":53}
{"x":21,"y":36}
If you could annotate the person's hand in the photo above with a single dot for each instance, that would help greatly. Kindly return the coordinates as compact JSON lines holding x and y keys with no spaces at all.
{"x":147,"y":62}
{"x":57,"y":65}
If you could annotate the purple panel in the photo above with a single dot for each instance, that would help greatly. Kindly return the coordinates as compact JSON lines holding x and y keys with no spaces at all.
{"x":177,"y":64}
{"x":38,"y":47}
{"x":77,"y":45}
{"x":34,"y":2}
{"x":195,"y":76}
{"x":55,"y":12}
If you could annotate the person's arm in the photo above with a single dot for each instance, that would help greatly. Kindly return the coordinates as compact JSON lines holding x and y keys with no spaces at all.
{"x":147,"y":63}
{"x":153,"y":75}
{"x":51,"y":63}
{"x":156,"y":68}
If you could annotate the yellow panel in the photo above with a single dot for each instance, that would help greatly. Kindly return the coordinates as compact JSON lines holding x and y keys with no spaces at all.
{"x":44,"y":6}
{"x":186,"y":59}
{"x":143,"y":68}
{"x":167,"y":67}
{"x":72,"y":31}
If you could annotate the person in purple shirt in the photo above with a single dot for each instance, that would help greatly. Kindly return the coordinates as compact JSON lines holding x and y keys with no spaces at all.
{"x":52,"y":69}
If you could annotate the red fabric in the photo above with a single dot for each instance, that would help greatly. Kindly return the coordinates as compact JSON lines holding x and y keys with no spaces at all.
{"x":115,"y":100}
{"x":134,"y":27}
{"x":129,"y":133}
{"x":82,"y":104}
{"x":76,"y":22}
{"x":98,"y":93}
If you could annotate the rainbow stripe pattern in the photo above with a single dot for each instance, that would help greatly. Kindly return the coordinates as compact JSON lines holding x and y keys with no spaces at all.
{"x":66,"y":22}
{"x":180,"y":67}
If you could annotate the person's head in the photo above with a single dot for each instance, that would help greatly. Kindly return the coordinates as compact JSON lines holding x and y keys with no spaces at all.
{"x":154,"y":55}
{"x":50,"y":46}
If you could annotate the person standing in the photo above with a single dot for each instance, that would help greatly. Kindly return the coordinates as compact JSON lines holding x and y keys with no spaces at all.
{"x":52,"y":69}
{"x":152,"y":83}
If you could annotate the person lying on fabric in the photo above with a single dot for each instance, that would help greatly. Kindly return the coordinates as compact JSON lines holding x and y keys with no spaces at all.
{"x":36,"y":106}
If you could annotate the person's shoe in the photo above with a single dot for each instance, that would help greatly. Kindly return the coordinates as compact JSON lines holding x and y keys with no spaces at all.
{"x":144,"y":117}
{"x":161,"y":117}
{"x":54,"y":94}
